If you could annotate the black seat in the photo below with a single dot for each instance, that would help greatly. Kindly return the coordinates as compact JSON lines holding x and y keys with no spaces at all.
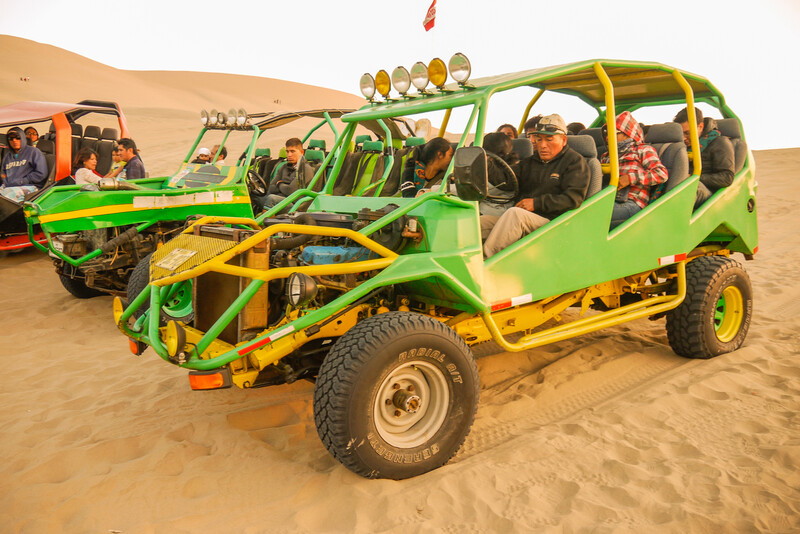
{"x":597,"y":135}
{"x":91,"y":136}
{"x":48,"y":148}
{"x":667,"y":139}
{"x":731,"y":129}
{"x":105,"y":148}
{"x":77,"y":137}
{"x":523,"y":147}
{"x":585,"y":146}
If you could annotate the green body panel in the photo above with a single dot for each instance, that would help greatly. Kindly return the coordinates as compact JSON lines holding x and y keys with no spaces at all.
{"x":70,"y":199}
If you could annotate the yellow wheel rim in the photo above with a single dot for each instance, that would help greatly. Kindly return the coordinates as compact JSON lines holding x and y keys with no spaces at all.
{"x":728,"y":314}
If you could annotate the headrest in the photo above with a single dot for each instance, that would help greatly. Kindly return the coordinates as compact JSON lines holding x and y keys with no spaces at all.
{"x":52,"y":128}
{"x":314,"y":155}
{"x":583,"y":145}
{"x":46,"y":146}
{"x":318,"y":144}
{"x":282,"y":152}
{"x":414,"y":141}
{"x":729,"y":128}
{"x":362,"y":138}
{"x":109,"y":133}
{"x":596,"y":134}
{"x":262,"y":152}
{"x":77,"y":129}
{"x":92,"y":131}
{"x":373,"y":146}
{"x":669,"y":132}
{"x":523,"y":147}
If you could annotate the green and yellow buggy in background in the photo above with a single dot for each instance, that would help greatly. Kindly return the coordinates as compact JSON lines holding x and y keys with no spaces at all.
{"x":378,"y":300}
{"x":97,"y":235}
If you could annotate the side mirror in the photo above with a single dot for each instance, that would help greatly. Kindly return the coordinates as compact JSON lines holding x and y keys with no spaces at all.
{"x":470,"y":170}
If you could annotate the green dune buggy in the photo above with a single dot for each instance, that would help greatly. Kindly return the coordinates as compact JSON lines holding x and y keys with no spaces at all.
{"x":97,"y":235}
{"x":378,"y":299}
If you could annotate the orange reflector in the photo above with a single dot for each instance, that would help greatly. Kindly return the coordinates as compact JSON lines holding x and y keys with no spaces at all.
{"x":133,"y":346}
{"x":209,"y":381}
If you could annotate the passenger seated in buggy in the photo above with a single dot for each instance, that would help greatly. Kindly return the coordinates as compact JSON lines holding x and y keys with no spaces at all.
{"x":427,"y":168}
{"x":640,"y":169}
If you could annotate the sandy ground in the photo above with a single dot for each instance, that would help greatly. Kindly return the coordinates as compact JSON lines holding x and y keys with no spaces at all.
{"x":611,"y":432}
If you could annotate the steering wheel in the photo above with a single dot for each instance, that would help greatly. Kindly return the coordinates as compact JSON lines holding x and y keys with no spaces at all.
{"x":509,"y":186}
{"x":256,"y":184}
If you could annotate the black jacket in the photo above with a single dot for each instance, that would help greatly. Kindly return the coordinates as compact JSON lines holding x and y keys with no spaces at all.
{"x":556,"y":186}
{"x":717,"y":160}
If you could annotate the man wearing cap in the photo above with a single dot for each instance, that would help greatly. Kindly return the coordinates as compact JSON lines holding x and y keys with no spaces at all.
{"x":203,"y":156}
{"x":551,"y":181}
{"x":23,"y":170}
{"x":134,"y":168}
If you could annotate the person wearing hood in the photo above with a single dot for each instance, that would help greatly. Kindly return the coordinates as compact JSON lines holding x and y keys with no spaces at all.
{"x":716,"y":154}
{"x":552,"y":181}
{"x":640,"y":169}
{"x":23,"y":169}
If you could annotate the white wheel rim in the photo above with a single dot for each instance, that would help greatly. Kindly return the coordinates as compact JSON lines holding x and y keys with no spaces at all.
{"x":399,"y":427}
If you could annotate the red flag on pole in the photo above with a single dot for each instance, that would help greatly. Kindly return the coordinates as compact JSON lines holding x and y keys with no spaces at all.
{"x":430,"y":17}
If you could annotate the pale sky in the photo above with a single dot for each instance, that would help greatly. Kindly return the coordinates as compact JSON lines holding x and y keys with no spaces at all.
{"x":746,"y":49}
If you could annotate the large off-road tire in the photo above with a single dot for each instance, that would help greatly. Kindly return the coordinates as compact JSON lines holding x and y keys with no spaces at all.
{"x":179,"y":303}
{"x":396,"y":396}
{"x":715,"y":315}
{"x":78,"y":287}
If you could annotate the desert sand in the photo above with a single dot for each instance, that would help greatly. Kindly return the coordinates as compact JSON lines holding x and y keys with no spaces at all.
{"x":610,"y":432}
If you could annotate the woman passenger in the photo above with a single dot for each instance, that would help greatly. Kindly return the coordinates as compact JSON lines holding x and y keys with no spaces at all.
{"x":427,"y":167}
{"x":84,"y":167}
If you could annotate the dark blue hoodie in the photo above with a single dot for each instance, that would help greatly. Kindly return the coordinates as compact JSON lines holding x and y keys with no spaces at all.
{"x":26,"y":167}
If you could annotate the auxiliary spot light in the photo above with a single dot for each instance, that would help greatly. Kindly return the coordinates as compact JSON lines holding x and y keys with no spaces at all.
{"x":459,"y":68}
{"x":382,"y":83}
{"x":367,"y":84}
{"x":401,"y":80}
{"x":437,"y":72}
{"x":419,"y":76}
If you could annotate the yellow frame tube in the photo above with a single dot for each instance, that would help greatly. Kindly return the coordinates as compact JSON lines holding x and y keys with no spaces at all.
{"x":528,"y":110}
{"x":218,"y":263}
{"x":586,"y":325}
{"x":611,"y":120}
{"x":445,"y":121}
{"x":695,"y":141}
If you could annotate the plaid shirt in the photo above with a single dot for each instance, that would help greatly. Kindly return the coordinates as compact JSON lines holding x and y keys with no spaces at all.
{"x":638,"y":161}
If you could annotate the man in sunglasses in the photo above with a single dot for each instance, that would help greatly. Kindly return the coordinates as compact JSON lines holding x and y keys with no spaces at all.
{"x":552,"y":181}
{"x":23,"y":169}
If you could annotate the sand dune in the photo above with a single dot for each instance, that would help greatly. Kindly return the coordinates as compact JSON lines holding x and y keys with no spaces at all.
{"x":611,"y":432}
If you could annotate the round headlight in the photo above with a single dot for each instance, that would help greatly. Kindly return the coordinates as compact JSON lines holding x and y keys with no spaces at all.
{"x":367,"y":84}
{"x":221,"y":118}
{"x":459,"y":68}
{"x":401,"y":80}
{"x":300,"y":289}
{"x":241,"y":117}
{"x":204,"y":117}
{"x":231,"y":118}
{"x":382,"y":83}
{"x":212,"y":117}
{"x":437,"y":72}
{"x":419,"y":75}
